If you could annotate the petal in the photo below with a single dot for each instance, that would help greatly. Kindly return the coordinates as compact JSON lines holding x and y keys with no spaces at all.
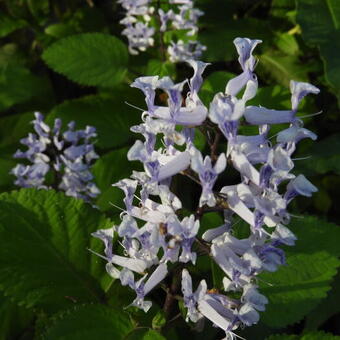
{"x":135,"y":265}
{"x":176,"y":165}
{"x":220,"y":164}
{"x":260,"y":115}
{"x":156,"y":277}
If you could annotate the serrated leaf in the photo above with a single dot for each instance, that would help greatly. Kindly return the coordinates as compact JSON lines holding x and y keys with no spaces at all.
{"x":90,"y":322}
{"x":295,"y":289}
{"x":308,"y":336}
{"x":111,"y":116}
{"x":44,"y":257}
{"x":94,"y":59}
{"x":312,"y":231}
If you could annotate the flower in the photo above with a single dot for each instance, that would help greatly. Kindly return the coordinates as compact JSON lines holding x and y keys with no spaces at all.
{"x":156,"y":232}
{"x":69,"y":155}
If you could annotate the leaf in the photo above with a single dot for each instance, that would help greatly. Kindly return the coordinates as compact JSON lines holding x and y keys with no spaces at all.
{"x":60,"y":30}
{"x":287,"y":44}
{"x":9,"y":25}
{"x":160,"y":68}
{"x":219,"y":39}
{"x":308,"y":336}
{"x":312,"y":231}
{"x":320,"y":24}
{"x":145,"y":334}
{"x":317,"y":19}
{"x":39,"y":9}
{"x":109,"y":169}
{"x":297,"y":288}
{"x":325,"y":157}
{"x":159,"y":320}
{"x":110,"y":115}
{"x":13,"y":319}
{"x":44,"y":257}
{"x":94,"y":59}
{"x":90,"y":322}
{"x":14,"y":89}
{"x":326,"y":309}
{"x":283,"y":68}
{"x":13,"y":128}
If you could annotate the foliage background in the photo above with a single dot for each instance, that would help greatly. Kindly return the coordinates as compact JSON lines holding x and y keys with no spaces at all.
{"x":67,"y":59}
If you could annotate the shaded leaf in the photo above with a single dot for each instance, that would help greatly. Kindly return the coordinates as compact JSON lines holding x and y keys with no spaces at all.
{"x":44,"y":257}
{"x":308,"y":336}
{"x":14,"y":88}
{"x":13,"y":319}
{"x":326,"y":309}
{"x":90,"y":322}
{"x":325,"y":157}
{"x":110,"y":115}
{"x":294,"y":290}
{"x":283,"y":68}
{"x":9,"y":25}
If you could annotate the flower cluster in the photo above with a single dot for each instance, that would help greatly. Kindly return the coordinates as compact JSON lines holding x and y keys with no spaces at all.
{"x":180,"y":17}
{"x":154,"y":236}
{"x":69,"y":155}
{"x":137,"y":24}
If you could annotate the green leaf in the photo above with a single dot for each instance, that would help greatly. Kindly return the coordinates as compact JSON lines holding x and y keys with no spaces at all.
{"x":160,"y":68}
{"x":320,"y":24}
{"x":325,"y":157}
{"x":317,"y":19}
{"x":308,"y":336}
{"x":294,"y":290}
{"x":159,"y":320}
{"x":214,"y":83}
{"x":39,"y":9}
{"x":110,"y":115}
{"x":144,"y":334}
{"x":94,"y":59}
{"x":90,"y":322}
{"x":13,"y":319}
{"x":287,"y":44}
{"x":44,"y":242}
{"x":326,"y":309}
{"x":18,"y":85}
{"x":109,"y":169}
{"x":9,"y":25}
{"x":219,"y":39}
{"x":60,"y":30}
{"x":283,"y":68}
{"x":311,"y":231}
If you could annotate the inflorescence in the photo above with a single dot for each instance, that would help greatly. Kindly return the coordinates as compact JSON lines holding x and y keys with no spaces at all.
{"x":154,"y":237}
{"x":179,"y":20}
{"x":67,"y":155}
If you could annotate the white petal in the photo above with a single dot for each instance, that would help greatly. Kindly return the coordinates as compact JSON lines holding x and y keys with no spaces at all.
{"x":156,"y":277}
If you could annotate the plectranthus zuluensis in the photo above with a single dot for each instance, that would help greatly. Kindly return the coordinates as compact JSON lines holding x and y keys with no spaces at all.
{"x":66,"y":156}
{"x":152,"y":234}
